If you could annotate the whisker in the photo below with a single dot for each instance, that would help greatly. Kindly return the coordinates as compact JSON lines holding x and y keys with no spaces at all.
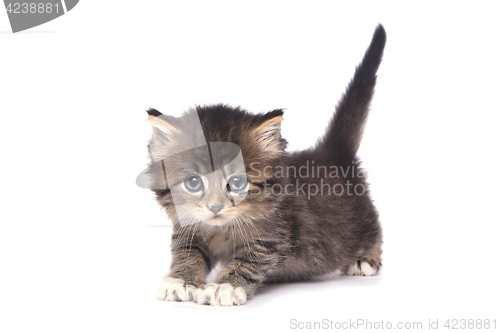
{"x":245,"y":242}
{"x":192,"y":236}
{"x":250,"y":223}
{"x":252,"y":238}
{"x":182,"y":234}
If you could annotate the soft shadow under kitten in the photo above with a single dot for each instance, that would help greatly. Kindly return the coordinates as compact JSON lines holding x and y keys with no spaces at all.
{"x":236,"y":197}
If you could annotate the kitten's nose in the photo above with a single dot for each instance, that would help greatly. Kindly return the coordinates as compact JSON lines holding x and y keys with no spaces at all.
{"x":214,"y":207}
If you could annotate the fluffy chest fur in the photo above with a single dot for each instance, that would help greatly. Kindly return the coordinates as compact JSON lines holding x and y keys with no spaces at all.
{"x":222,"y":244}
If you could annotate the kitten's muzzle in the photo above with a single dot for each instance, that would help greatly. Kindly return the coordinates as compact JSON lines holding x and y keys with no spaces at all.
{"x":215,"y":208}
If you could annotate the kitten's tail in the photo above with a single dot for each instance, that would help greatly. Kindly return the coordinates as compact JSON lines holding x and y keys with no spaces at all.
{"x":343,"y":135}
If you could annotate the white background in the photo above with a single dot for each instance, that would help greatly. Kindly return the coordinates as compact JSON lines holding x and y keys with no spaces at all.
{"x":82,"y":248}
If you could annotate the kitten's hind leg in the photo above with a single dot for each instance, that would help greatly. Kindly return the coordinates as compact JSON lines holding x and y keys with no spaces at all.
{"x":368,"y":264}
{"x":363,"y":267}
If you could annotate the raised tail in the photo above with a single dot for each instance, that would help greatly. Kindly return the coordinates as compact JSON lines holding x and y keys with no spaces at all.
{"x":344,"y":133}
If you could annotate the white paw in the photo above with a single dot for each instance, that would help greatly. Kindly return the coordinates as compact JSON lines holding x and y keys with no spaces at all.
{"x":222,"y":294}
{"x":172,"y":289}
{"x":363,"y":268}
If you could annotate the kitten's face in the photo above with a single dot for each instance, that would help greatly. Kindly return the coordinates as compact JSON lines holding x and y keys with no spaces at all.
{"x":207,"y":166}
{"x":211,"y":198}
{"x":207,"y":183}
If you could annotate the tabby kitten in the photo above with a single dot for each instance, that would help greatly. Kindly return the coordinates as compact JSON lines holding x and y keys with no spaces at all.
{"x":236,"y":197}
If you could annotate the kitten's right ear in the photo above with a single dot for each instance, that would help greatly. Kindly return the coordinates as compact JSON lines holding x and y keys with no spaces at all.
{"x":268,"y":133}
{"x":163,"y":125}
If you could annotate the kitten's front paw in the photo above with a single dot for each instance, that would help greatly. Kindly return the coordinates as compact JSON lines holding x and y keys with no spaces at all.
{"x":172,"y":289}
{"x":222,"y":294}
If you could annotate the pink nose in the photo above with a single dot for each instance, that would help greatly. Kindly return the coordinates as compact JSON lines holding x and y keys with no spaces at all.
{"x":215,"y":208}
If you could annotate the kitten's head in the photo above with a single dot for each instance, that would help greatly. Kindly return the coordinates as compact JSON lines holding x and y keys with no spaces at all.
{"x":209,"y":164}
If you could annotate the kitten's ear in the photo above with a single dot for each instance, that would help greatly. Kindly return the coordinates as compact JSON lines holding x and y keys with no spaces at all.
{"x":268,"y":133}
{"x":163,"y":125}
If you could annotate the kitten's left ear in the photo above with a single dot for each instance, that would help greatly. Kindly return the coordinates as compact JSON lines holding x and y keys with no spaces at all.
{"x":163,"y":125}
{"x":268,"y":133}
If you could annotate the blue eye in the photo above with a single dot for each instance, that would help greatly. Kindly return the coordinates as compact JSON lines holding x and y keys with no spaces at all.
{"x":194,"y":183}
{"x":237,"y":183}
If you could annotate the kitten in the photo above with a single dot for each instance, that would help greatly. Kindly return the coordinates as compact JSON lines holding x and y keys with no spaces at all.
{"x":236,"y":197}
